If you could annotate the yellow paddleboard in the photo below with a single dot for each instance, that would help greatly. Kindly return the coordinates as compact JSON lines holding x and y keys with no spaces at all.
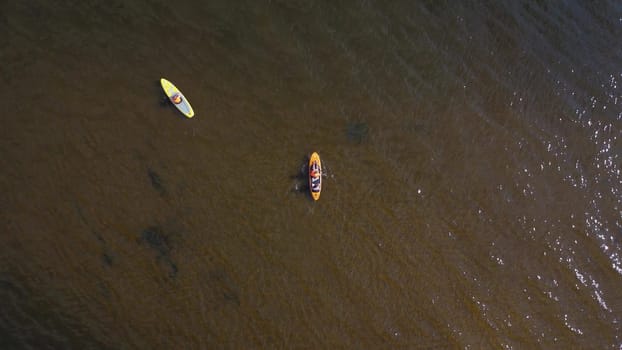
{"x":177,"y":98}
{"x":315,"y":176}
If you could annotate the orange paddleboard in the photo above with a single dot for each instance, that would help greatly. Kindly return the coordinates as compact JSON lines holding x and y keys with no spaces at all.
{"x":315,"y":176}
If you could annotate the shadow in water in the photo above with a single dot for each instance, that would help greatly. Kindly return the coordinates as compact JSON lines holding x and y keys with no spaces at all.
{"x":301,"y":178}
{"x":158,"y":91}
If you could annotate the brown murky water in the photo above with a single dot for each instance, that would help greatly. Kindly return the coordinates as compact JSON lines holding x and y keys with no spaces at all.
{"x":472,"y":196}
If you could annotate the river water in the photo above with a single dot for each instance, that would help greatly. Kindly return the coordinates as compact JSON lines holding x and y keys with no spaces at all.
{"x":472,"y":196}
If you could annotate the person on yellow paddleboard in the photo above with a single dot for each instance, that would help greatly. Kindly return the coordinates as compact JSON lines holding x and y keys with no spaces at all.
{"x":315,"y":178}
{"x":176,"y":99}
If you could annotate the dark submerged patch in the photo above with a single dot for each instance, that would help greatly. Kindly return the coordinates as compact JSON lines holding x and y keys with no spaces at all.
{"x":161,"y":243}
{"x":357,"y":132}
{"x":156,"y":181}
{"x":157,"y":240}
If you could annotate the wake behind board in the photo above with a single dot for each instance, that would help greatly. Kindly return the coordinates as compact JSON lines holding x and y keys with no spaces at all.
{"x":315,"y":176}
{"x":173,"y":92}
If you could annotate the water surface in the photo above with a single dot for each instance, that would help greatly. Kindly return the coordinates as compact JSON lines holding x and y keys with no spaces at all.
{"x":472,"y":196}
